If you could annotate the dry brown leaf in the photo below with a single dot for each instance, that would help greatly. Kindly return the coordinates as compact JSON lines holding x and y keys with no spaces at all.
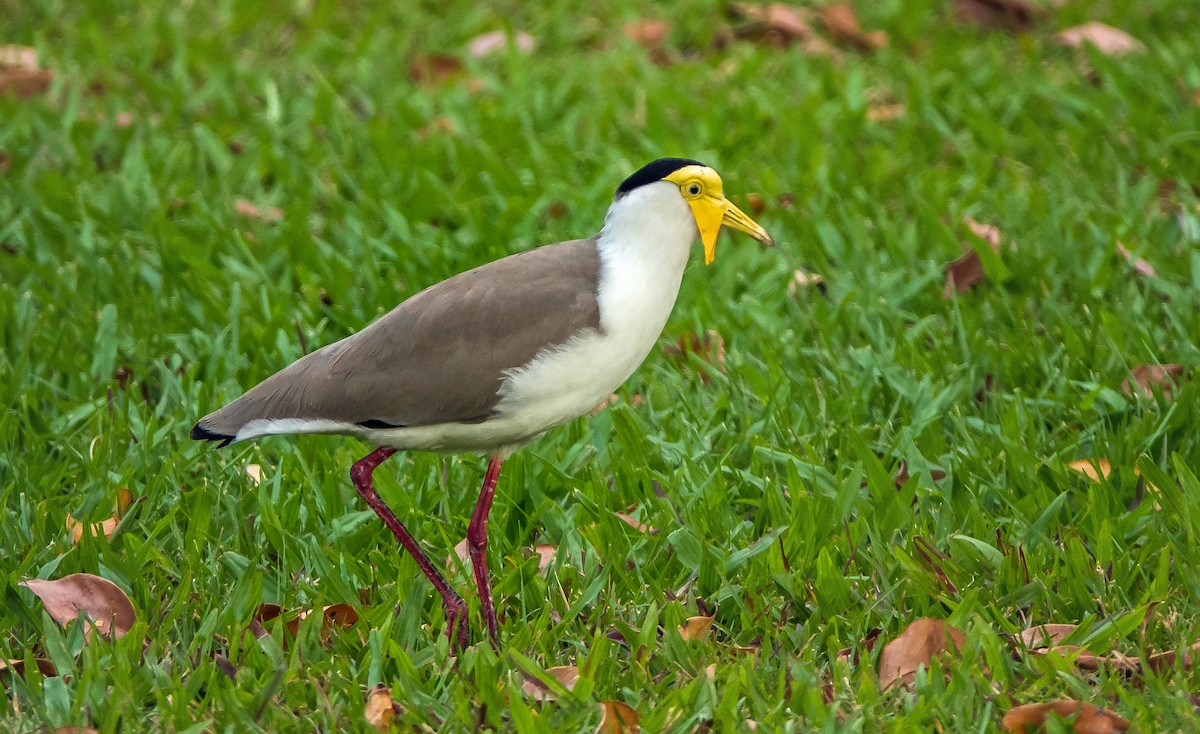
{"x":73,"y":729}
{"x":1088,"y":719}
{"x":1107,"y":40}
{"x":710,"y":348}
{"x":380,"y":708}
{"x":460,"y":556}
{"x":545,"y":554}
{"x":636,"y":524}
{"x":1048,"y":638}
{"x":902,"y":475}
{"x":1045,"y":636}
{"x":788,"y":21}
{"x":1140,"y":266}
{"x":695,"y":629}
{"x":20,"y":74}
{"x":967,"y":270}
{"x":100,"y":600}
{"x":780,"y":25}
{"x":439,"y":124}
{"x":433,"y":68}
{"x":566,"y":675}
{"x":647,"y":33}
{"x":802,"y":280}
{"x":43,"y":665}
{"x":267,"y":612}
{"x":1094,"y":469}
{"x":756,"y":204}
{"x":916,"y":646}
{"x":841,"y":22}
{"x":1014,"y":15}
{"x":617,"y":718}
{"x":252,"y":211}
{"x":1147,"y":377}
{"x":886,"y":112}
{"x":489,"y":43}
{"x":334,"y":617}
{"x":105,"y":527}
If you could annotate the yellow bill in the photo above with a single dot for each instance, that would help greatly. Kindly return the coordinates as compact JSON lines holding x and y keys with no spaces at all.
{"x":701,"y":187}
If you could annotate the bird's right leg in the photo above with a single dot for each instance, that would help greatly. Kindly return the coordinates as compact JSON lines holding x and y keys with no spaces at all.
{"x":456,"y":608}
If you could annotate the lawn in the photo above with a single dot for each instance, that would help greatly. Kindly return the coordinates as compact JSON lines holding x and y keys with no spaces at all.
{"x":206,"y":190}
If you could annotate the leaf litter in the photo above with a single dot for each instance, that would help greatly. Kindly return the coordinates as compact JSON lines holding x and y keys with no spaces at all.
{"x":102,"y":602}
{"x":105,"y":527}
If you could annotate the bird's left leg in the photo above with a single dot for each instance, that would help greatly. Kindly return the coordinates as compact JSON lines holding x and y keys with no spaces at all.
{"x":477,"y":545}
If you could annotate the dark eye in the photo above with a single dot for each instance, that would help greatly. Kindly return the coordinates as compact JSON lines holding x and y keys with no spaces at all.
{"x":693,"y":189}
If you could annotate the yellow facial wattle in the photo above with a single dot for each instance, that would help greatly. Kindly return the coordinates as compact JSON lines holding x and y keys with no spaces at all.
{"x":701,"y":188}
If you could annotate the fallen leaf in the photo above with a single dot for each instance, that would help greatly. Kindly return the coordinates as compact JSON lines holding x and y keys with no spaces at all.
{"x":1140,"y":266}
{"x":1088,"y":719}
{"x":1107,"y":40}
{"x":780,"y":25}
{"x":73,"y":729}
{"x":460,"y":556}
{"x":901,"y":476}
{"x":1094,"y":469}
{"x":433,"y":68}
{"x":545,"y":554}
{"x":1045,"y":636}
{"x":842,"y":24}
{"x":252,"y":211}
{"x":802,"y":280}
{"x":20,"y":74}
{"x":18,"y":57}
{"x":617,"y":718}
{"x":1147,"y":377}
{"x":566,"y":675}
{"x":916,"y":646}
{"x":105,"y":527}
{"x":710,"y":348}
{"x":493,"y":41}
{"x":334,"y":617}
{"x":636,"y":524}
{"x":44,"y":666}
{"x":100,"y":600}
{"x":695,"y":629}
{"x":886,"y":112}
{"x":788,"y":21}
{"x":439,"y":124}
{"x":380,"y":708}
{"x":866,"y":644}
{"x":647,"y":33}
{"x":967,"y":270}
{"x":1014,"y":15}
{"x":756,"y":204}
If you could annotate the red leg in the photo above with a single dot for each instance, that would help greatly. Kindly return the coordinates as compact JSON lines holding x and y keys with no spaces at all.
{"x":456,"y":608}
{"x":477,"y":544}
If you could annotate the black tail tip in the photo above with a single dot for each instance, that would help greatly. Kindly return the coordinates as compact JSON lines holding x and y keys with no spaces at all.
{"x":200,"y":433}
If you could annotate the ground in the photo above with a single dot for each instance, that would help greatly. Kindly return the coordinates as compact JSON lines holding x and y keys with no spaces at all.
{"x":207,"y":189}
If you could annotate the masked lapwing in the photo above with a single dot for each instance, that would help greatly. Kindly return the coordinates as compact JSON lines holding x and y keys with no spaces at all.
{"x":496,"y":356}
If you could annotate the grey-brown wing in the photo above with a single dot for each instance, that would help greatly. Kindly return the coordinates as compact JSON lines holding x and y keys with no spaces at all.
{"x":439,"y":357}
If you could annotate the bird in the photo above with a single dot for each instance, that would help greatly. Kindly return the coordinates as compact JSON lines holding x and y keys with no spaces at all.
{"x":492,"y":358}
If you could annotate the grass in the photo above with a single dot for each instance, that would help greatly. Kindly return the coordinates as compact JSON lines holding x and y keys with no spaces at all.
{"x":123,"y":251}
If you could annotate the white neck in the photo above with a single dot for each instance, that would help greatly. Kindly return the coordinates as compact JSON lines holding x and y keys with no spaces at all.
{"x":644,"y":246}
